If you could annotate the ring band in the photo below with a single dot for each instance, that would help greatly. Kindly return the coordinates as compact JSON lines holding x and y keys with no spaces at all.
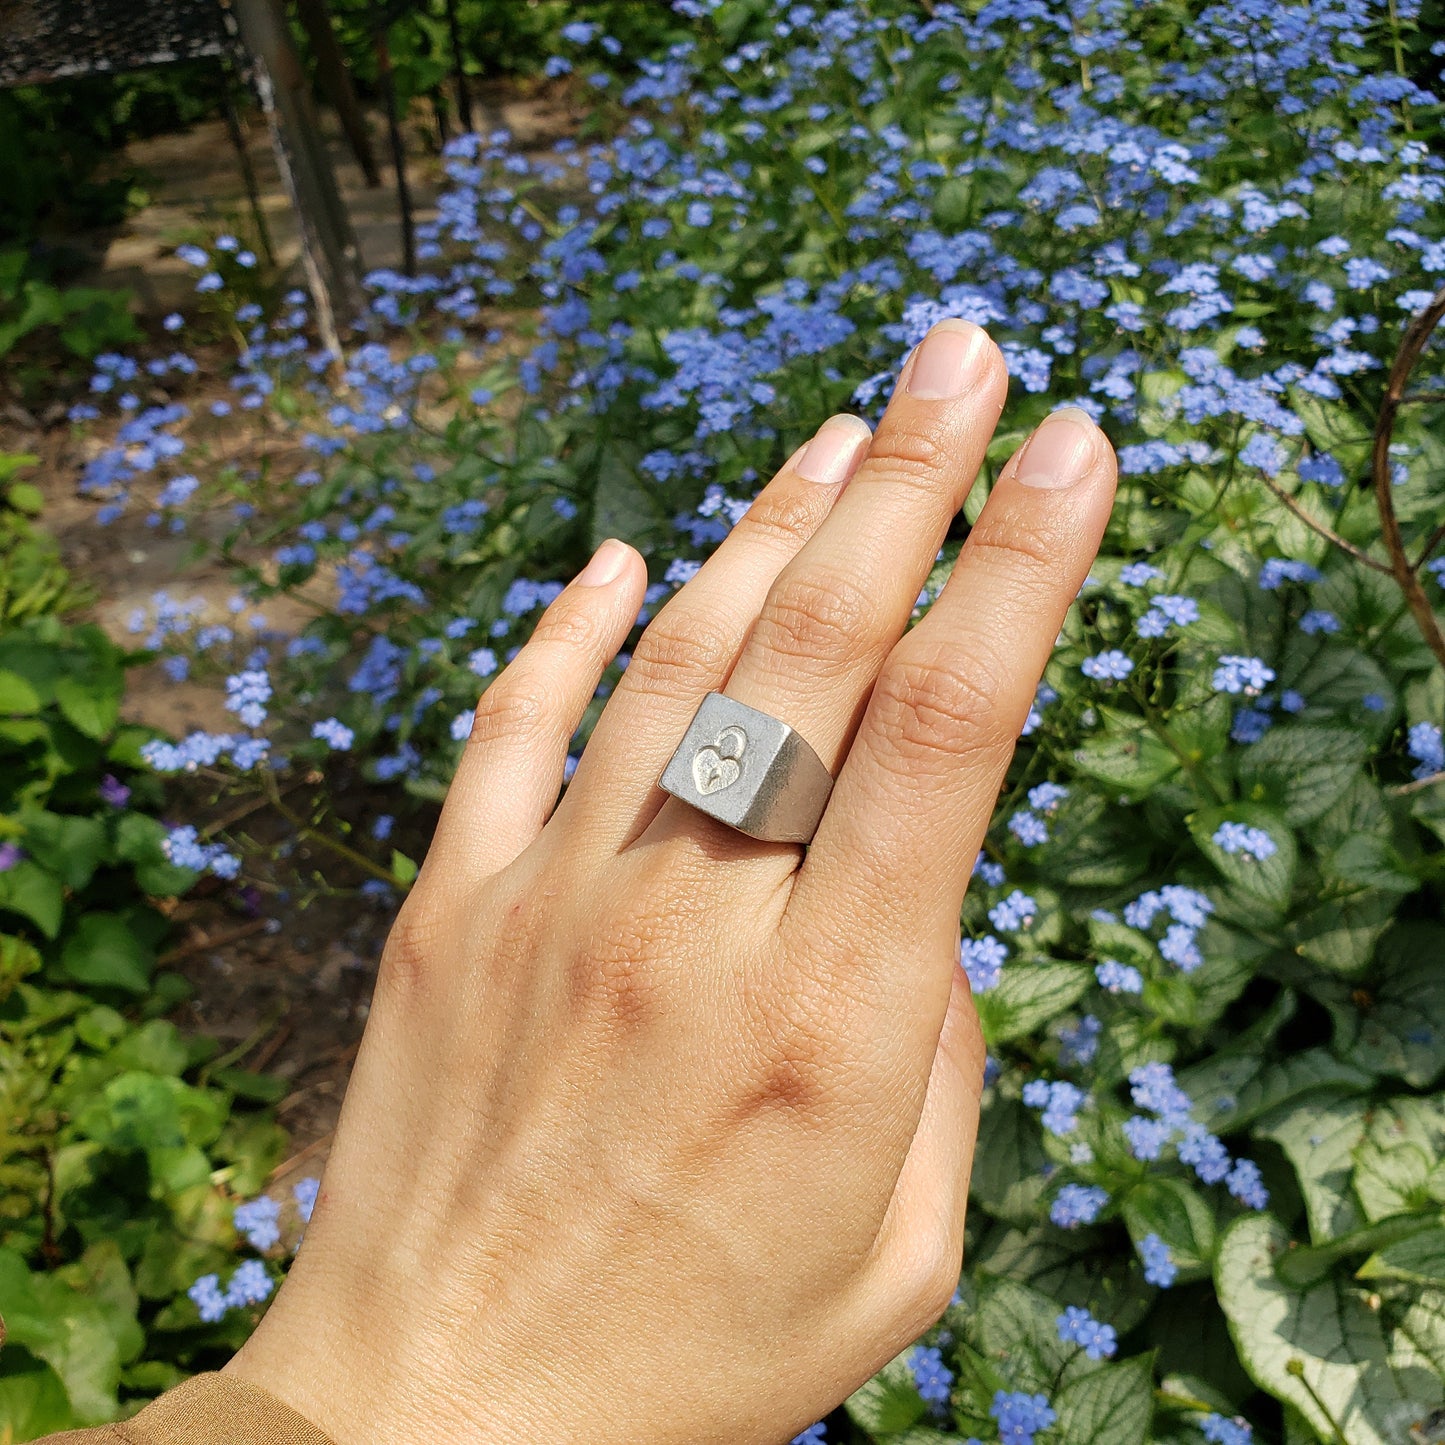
{"x":749,"y":770}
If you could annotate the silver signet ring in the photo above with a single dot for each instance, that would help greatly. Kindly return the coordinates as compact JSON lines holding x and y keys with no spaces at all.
{"x":749,"y":770}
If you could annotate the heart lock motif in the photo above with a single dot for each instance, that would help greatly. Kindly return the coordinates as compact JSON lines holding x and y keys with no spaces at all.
{"x":715,"y":765}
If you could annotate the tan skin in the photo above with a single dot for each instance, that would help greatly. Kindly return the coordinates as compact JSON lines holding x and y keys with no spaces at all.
{"x":660,"y":1133}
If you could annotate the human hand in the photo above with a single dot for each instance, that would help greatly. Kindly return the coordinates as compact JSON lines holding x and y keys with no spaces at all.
{"x":660,"y":1133}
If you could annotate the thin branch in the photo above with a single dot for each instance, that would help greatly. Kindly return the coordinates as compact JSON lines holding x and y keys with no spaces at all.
{"x":1416,"y":337}
{"x":1436,"y":538}
{"x":1417,"y":396}
{"x":1327,"y":533}
{"x":1403,"y":790}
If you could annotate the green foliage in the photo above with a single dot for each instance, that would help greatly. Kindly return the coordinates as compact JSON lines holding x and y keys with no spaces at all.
{"x":115,"y":1153}
{"x":42,"y":324}
{"x":32,"y":580}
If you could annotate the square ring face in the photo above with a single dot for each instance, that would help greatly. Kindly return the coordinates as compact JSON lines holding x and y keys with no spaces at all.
{"x":723,"y":760}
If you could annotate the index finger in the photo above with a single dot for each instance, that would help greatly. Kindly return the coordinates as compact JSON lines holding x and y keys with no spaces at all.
{"x":892,"y":857}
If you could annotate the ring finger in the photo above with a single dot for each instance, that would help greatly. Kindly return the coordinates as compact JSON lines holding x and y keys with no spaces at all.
{"x":691,"y":645}
{"x":835,"y":611}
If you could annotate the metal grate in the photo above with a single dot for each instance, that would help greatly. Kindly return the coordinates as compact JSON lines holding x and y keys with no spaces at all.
{"x":44,"y":40}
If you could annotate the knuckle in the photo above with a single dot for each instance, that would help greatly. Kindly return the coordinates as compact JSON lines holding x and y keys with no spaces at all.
{"x":512,"y":710}
{"x":1011,"y":544}
{"x":948,"y":706}
{"x":908,"y":455}
{"x":614,"y":980}
{"x":803,"y":1043}
{"x":816,"y":615}
{"x":412,"y":948}
{"x":782,"y":515}
{"x":794,"y":1072}
{"x":924,"y":1271}
{"x":575,"y":625}
{"x":684,"y":650}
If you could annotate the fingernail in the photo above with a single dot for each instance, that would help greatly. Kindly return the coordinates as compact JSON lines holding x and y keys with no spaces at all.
{"x":1060,"y":451}
{"x":830,"y":455}
{"x":944,"y":360}
{"x":606,"y":564}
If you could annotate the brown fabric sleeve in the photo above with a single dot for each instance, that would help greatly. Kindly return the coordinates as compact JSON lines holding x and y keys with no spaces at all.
{"x":211,"y":1409}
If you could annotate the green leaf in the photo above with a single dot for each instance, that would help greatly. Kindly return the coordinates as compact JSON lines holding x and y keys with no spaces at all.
{"x":1308,"y":1264}
{"x":34,"y":893}
{"x":1113,"y":1403}
{"x":1340,"y":934}
{"x":1232,"y":1089}
{"x":1126,"y":756}
{"x":33,"y":1402}
{"x":1391,"y":1180}
{"x":1420,"y":1259}
{"x":623,"y":504}
{"x":91,"y":703}
{"x":1175,"y":1211}
{"x":1030,"y":994}
{"x":17,"y":696}
{"x":1008,"y":1161}
{"x":1267,"y":882}
{"x":67,"y":1329}
{"x":1401,"y":1032}
{"x":103,"y":950}
{"x":69,"y":845}
{"x":403,"y":869}
{"x":1320,"y":1139}
{"x":1364,"y":861}
{"x":25,"y":497}
{"x":1322,"y":1349}
{"x":1302,"y":769}
{"x":889,"y":1403}
{"x":1017,"y":1329}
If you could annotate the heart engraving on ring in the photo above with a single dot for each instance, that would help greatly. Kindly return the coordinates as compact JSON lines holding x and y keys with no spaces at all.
{"x":715,"y":765}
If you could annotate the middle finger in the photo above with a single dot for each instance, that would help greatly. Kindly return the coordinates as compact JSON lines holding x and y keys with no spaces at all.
{"x":834,"y":612}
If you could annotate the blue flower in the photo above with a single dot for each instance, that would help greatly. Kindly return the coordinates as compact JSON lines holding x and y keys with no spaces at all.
{"x":1152,"y":1086}
{"x":1246,"y":1184}
{"x":1078,"y":1327}
{"x":1159,"y":1267}
{"x":206,"y":1295}
{"x":1046,"y":797}
{"x":1424,"y":743}
{"x":982,"y":960}
{"x":1139,"y":574}
{"x":334,"y":733}
{"x":932,"y":1377}
{"x":1077,"y":1204}
{"x":1221,"y":1431}
{"x":1060,"y":1102}
{"x":257,"y":1220}
{"x":247,"y":694}
{"x":1249,"y":725}
{"x":1119,"y":977}
{"x":1020,"y":1417}
{"x":1243,"y":838}
{"x":1278,"y":570}
{"x":304,"y":1192}
{"x":1317,"y":620}
{"x":1013,"y":913}
{"x":1247,"y":675}
{"x":1110,"y":666}
{"x":249,"y":1285}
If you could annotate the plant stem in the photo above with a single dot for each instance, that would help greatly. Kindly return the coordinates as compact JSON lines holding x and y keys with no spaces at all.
{"x":1359,"y":554}
{"x":1412,"y":346}
{"x":307,"y":830}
